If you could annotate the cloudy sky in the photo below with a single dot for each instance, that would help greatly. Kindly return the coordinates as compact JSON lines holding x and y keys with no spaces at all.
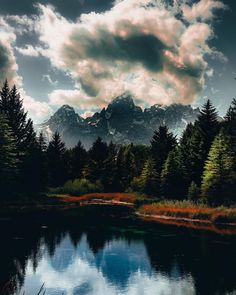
{"x":86,"y":52}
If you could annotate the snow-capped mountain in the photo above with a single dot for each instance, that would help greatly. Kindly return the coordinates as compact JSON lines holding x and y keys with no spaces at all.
{"x":121,"y":122}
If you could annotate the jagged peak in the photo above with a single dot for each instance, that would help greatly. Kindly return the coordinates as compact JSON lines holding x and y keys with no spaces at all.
{"x":66,"y":107}
{"x":124,"y":99}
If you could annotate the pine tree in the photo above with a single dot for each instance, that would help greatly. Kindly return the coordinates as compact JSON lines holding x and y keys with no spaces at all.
{"x":219,"y":178}
{"x":148,"y":180}
{"x":193,"y":191}
{"x":171,"y":177}
{"x":42,"y":142}
{"x":42,"y":162}
{"x":109,"y":179}
{"x":230,"y":123}
{"x":231,"y":113}
{"x":97,"y":156}
{"x":192,"y":155}
{"x":56,"y":159}
{"x":8,"y":156}
{"x":4,"y":96}
{"x":78,"y":160}
{"x":12,"y":106}
{"x":208,"y":126}
{"x":162,"y":143}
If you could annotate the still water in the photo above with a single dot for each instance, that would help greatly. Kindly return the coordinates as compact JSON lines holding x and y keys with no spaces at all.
{"x":72,"y":256}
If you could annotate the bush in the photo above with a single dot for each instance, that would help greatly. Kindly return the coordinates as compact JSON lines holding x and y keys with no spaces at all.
{"x":79,"y":187}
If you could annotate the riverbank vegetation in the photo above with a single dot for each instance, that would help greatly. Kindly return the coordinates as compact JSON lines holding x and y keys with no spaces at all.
{"x":200,"y":166}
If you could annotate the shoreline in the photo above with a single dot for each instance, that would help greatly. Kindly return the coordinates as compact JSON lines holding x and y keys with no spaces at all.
{"x":175,"y":215}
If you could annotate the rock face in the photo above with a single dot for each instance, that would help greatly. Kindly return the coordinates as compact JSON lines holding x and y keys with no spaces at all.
{"x":122,"y":122}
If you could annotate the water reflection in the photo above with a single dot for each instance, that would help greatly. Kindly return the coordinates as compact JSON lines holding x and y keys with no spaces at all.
{"x":119,"y":268}
{"x":115,"y":257}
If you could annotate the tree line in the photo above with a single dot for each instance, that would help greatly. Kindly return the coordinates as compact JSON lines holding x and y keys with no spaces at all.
{"x":200,"y":165}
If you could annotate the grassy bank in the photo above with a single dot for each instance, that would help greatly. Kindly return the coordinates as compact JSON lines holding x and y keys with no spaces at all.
{"x":189,"y":210}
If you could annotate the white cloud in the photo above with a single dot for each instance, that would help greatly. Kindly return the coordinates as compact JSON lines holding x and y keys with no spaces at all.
{"x":203,"y":10}
{"x":49,"y":80}
{"x":150,"y":52}
{"x":29,"y":50}
{"x":9,"y":70}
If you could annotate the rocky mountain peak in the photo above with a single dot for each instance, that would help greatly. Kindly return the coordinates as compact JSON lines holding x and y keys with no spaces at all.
{"x":122,"y":122}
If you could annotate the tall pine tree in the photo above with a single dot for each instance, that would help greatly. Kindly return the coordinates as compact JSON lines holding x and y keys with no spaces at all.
{"x":162,"y":143}
{"x":147,"y":182}
{"x":8,"y":156}
{"x":56,"y":159}
{"x":171,"y":177}
{"x":12,"y":106}
{"x":219,"y":178}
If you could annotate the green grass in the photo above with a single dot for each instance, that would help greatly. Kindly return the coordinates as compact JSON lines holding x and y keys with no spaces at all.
{"x":77,"y":187}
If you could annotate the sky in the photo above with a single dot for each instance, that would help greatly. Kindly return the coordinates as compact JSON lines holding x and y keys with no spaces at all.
{"x":86,"y":52}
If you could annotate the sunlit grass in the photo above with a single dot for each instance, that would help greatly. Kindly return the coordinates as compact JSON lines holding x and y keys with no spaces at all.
{"x":190,"y":210}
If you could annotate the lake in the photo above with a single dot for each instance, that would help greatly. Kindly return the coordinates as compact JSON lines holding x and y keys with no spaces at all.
{"x":94,"y":253}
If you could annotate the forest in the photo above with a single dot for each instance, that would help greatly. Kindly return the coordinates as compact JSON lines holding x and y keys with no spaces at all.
{"x":200,"y":166}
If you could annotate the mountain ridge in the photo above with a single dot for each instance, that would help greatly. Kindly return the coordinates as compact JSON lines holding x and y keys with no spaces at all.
{"x":122,"y":122}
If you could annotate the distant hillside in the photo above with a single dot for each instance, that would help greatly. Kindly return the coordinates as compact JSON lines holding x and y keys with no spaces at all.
{"x":121,"y":122}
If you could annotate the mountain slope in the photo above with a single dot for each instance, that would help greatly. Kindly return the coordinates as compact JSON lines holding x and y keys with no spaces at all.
{"x":122,"y":122}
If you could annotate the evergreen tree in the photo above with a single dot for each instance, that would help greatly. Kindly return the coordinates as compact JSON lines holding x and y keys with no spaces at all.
{"x":193,"y":191}
{"x":42,"y":143}
{"x":109,"y":179}
{"x":191,"y":153}
{"x":12,"y":106}
{"x":171,"y":177}
{"x":42,"y":162}
{"x":8,"y":156}
{"x":97,"y":156}
{"x":148,"y":180}
{"x":4,"y":96}
{"x":208,"y":126}
{"x":162,"y":143}
{"x":78,"y":160}
{"x":219,"y":178}
{"x":231,"y":113}
{"x":56,"y":158}
{"x":230,"y":123}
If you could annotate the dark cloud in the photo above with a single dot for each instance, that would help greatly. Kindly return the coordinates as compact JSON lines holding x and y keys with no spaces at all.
{"x":139,"y":48}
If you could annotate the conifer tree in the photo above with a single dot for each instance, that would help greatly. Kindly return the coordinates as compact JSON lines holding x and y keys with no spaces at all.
{"x":148,"y":180}
{"x":208,"y":126}
{"x":162,"y":143}
{"x":56,"y":158}
{"x":219,"y":178}
{"x":191,"y":153}
{"x":230,"y":123}
{"x":12,"y":106}
{"x":78,"y":160}
{"x":171,"y":177}
{"x":8,"y":156}
{"x":97,"y":156}
{"x":193,"y":192}
{"x":109,"y":179}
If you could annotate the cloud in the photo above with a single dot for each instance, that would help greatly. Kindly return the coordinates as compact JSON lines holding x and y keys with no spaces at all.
{"x":29,"y":50}
{"x":49,"y":80}
{"x":22,"y":24}
{"x":8,"y":65}
{"x":9,"y":70}
{"x":38,"y":111}
{"x":150,"y":52}
{"x":203,"y":10}
{"x":158,"y":52}
{"x":74,"y":98}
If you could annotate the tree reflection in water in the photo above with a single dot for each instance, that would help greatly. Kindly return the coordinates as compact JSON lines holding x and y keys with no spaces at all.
{"x":117,"y":256}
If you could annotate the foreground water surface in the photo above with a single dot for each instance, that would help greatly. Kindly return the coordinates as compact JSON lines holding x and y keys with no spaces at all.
{"x":74,"y":255}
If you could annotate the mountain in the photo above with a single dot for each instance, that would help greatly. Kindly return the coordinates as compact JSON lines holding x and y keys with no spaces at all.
{"x":122,"y":122}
